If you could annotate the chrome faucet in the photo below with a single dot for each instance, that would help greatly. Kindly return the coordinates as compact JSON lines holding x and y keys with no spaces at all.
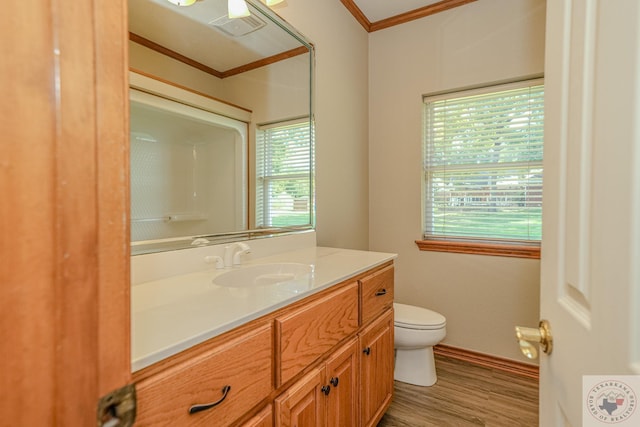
{"x":233,"y":253}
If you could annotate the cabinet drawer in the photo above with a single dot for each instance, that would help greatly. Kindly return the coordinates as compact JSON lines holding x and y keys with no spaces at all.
{"x":376,"y":293}
{"x":244,"y":364}
{"x":307,"y":333}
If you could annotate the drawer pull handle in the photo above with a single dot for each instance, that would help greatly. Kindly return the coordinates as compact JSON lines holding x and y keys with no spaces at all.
{"x":334,"y":381}
{"x":326,"y":389}
{"x":381,"y":292}
{"x":367,"y":351}
{"x":204,"y":407}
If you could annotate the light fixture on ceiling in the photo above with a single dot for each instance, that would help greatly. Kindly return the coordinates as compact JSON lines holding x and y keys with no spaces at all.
{"x":238,"y":9}
{"x":182,"y":2}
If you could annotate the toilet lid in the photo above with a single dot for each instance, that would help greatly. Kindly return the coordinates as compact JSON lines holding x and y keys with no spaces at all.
{"x":412,"y":317}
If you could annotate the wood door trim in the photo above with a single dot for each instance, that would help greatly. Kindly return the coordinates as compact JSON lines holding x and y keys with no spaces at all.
{"x":114,"y":255}
{"x":488,"y":361}
{"x":403,"y":17}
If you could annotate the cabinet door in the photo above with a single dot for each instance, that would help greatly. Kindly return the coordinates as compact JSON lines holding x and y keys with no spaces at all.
{"x":263,"y":418}
{"x":376,"y":369}
{"x":342,"y":378}
{"x":305,"y":334}
{"x":303,"y":404}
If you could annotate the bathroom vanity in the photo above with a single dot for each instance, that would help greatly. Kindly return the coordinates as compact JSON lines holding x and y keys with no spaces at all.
{"x":315,"y":350}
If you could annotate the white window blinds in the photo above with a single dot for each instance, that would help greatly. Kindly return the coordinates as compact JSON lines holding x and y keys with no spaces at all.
{"x":483,"y":164}
{"x":284,"y":174}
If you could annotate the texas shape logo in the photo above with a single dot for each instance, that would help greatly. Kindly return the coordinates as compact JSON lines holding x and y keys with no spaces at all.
{"x":611,"y":401}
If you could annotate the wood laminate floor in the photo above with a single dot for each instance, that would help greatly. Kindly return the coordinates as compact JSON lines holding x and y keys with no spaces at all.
{"x":465,"y":395}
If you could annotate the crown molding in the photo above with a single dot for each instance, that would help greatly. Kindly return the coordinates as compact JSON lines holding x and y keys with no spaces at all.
{"x":219,"y":74}
{"x":403,"y":17}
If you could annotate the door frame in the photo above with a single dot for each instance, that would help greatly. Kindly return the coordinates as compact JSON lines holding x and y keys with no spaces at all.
{"x":64,"y":173}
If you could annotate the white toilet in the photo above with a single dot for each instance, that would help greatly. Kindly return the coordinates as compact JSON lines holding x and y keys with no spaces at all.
{"x":416,"y":331}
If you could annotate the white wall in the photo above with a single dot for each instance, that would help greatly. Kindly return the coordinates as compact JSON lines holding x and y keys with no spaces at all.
{"x":483,"y":297}
{"x":144,"y":59}
{"x":341,"y":110}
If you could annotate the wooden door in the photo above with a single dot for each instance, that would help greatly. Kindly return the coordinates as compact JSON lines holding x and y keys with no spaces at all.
{"x":342,"y":378}
{"x":376,"y":369}
{"x":591,"y":244}
{"x":303,"y":404}
{"x":64,"y":294}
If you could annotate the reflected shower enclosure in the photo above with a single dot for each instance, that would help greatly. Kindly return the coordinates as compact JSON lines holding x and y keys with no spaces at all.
{"x":188,"y":170}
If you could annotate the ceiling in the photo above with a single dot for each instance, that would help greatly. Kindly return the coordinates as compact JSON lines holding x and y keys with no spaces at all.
{"x":203,"y":36}
{"x":377,"y":10}
{"x":375,"y":15}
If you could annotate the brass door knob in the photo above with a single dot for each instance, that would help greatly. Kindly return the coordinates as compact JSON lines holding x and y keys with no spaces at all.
{"x":540,"y":335}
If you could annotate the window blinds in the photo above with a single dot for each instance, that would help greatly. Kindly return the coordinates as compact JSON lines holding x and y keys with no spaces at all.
{"x":284,"y":174}
{"x":483,"y":164}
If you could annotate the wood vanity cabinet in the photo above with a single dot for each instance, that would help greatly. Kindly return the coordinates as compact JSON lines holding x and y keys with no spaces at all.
{"x":376,"y":369}
{"x":307,"y":333}
{"x":243,"y":365}
{"x":366,"y":361}
{"x":303,"y":403}
{"x":342,"y":376}
{"x":376,"y":344}
{"x":376,"y":293}
{"x":326,"y":360}
{"x":264,"y":418}
{"x":326,"y":396}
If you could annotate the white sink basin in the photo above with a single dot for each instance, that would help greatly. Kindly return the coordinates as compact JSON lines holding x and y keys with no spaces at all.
{"x":265,"y":274}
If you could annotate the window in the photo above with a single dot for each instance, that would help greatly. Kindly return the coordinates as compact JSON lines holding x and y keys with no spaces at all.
{"x":483,"y":169}
{"x":284,"y":174}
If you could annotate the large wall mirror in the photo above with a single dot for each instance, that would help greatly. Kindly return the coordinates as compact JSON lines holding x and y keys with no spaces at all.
{"x":221,"y":125}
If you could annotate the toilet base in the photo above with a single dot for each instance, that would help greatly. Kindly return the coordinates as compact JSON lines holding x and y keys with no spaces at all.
{"x":415,"y":366}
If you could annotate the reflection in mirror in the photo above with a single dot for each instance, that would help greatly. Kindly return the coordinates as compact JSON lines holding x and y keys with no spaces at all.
{"x":188,"y":162}
{"x":221,"y":125}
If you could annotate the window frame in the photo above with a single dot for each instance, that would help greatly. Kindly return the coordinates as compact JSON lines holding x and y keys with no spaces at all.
{"x":474,"y":245}
{"x":261,"y":210}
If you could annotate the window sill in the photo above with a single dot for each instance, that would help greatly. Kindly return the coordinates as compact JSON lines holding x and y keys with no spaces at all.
{"x":516,"y":251}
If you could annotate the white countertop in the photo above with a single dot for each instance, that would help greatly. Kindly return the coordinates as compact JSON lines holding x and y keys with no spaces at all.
{"x":172,"y":314}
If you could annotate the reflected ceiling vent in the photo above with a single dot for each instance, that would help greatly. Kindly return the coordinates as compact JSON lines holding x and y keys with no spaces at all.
{"x":237,"y":27}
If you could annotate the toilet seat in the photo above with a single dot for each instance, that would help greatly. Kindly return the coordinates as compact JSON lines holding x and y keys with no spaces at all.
{"x":412,"y":317}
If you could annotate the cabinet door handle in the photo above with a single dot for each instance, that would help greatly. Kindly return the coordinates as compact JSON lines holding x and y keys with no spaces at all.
{"x":204,"y":407}
{"x":334,"y":381}
{"x":326,"y":389}
{"x":367,"y":351}
{"x":381,"y":292}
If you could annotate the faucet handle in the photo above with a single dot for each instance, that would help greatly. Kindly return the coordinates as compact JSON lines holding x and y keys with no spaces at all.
{"x":210,"y":259}
{"x":200,"y":241}
{"x":244,"y":249}
{"x":228,"y":255}
{"x":233,"y":251}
